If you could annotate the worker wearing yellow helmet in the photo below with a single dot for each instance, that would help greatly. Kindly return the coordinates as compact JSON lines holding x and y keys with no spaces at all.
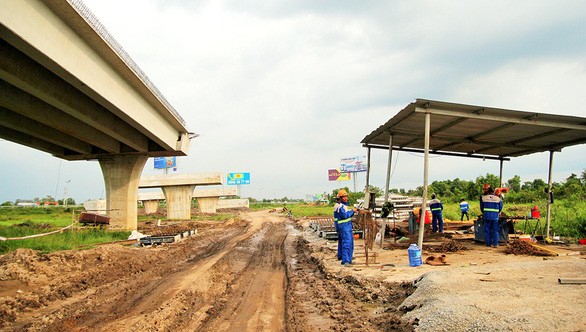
{"x":343,"y":219}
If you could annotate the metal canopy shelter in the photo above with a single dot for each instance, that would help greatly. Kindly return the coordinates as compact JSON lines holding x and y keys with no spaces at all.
{"x":438,"y":127}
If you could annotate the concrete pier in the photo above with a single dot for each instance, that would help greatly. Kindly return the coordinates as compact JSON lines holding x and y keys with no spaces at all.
{"x":121,"y":176}
{"x":178,"y":190}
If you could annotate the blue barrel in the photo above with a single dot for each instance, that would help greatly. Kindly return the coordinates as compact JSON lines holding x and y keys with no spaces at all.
{"x":414,"y":255}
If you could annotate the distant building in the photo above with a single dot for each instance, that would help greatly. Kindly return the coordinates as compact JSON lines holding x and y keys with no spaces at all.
{"x":26,"y":202}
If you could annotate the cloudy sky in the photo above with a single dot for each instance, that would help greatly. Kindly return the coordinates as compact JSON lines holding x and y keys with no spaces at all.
{"x":285,"y":89}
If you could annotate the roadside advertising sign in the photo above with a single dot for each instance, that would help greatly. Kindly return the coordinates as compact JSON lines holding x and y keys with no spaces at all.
{"x":336,"y":175}
{"x":353,"y":164}
{"x":165,"y":162}
{"x":238,"y":178}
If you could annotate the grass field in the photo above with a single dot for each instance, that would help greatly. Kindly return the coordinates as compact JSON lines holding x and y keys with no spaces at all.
{"x":19,"y":222}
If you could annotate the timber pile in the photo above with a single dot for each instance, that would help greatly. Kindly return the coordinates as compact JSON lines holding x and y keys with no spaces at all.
{"x":447,"y":246}
{"x":525,"y":248}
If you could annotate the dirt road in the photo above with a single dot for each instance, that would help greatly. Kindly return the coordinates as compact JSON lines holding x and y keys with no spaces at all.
{"x":255,"y":272}
{"x":262,"y":271}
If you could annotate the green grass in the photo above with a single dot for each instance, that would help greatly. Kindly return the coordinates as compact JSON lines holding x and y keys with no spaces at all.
{"x":265,"y":205}
{"x":568,"y":217}
{"x":67,"y":240}
{"x":55,"y":216}
{"x":19,"y":222}
{"x":306,"y":210}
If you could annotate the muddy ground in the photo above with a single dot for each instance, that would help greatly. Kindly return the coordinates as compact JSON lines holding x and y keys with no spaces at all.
{"x":262,"y":271}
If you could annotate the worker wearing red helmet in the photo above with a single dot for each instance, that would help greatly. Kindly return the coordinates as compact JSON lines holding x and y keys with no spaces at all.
{"x":343,"y":216}
{"x":491,"y":205}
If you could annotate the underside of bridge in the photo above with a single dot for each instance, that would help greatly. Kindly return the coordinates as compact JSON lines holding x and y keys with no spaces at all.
{"x":68,"y":89}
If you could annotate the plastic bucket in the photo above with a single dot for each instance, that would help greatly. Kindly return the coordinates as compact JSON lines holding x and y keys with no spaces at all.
{"x":535,"y":213}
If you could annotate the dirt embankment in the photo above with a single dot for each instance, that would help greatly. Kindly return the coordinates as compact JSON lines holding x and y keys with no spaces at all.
{"x":254,"y":273}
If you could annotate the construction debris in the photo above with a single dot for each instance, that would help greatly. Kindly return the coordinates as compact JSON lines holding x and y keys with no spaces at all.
{"x":447,"y":246}
{"x":525,"y":248}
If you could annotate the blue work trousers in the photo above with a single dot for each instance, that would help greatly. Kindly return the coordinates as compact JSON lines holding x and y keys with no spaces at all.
{"x":339,"y":241}
{"x":347,"y":241}
{"x":491,"y":232}
{"x":436,"y":218}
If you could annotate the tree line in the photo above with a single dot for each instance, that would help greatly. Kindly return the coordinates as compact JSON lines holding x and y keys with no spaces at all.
{"x":451,"y":191}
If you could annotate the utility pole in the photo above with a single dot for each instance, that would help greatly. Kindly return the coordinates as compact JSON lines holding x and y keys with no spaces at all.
{"x":65,"y":193}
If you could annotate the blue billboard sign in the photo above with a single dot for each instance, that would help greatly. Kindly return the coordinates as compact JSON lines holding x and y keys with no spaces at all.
{"x":353,"y":164}
{"x":238,"y":178}
{"x":165,"y":162}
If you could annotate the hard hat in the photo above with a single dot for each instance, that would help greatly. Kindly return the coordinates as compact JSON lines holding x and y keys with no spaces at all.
{"x":342,"y":193}
{"x":486,"y":186}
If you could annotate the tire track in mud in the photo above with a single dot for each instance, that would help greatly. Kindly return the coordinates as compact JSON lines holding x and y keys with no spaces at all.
{"x":255,"y":299}
{"x":322,"y":301}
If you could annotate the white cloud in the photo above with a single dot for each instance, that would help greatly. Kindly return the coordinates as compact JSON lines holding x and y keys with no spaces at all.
{"x":285,"y":89}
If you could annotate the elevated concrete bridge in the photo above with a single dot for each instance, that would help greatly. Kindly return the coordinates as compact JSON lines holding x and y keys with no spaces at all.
{"x":179,"y":190}
{"x":208,"y":200}
{"x":68,"y":89}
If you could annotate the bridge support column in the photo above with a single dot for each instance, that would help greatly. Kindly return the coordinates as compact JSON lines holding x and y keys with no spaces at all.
{"x":151,"y":206}
{"x":178,"y":201}
{"x":208,"y":204}
{"x":121,"y":176}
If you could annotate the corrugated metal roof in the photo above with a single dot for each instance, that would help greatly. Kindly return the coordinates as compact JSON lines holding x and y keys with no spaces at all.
{"x":477,"y":131}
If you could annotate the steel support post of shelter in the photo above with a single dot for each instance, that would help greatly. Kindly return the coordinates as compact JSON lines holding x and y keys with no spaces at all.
{"x":501,"y":173}
{"x":367,"y":169}
{"x":387,"y":188}
{"x":425,"y":179}
{"x":549,"y":195}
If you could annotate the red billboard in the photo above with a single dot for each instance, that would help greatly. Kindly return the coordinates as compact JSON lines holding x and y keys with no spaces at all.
{"x":335,"y":175}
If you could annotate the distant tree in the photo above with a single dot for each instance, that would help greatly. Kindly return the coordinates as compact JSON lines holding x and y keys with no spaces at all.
{"x":353,"y":197}
{"x":491,"y":179}
{"x":572,"y":188}
{"x":514,"y":183}
{"x":70,"y":201}
{"x":7,"y":203}
{"x":377,"y":191}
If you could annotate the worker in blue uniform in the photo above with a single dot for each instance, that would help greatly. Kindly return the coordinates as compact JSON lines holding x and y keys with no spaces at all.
{"x":491,"y":206}
{"x":436,"y":207}
{"x":464,"y":207}
{"x":336,"y":207}
{"x":343,"y":214}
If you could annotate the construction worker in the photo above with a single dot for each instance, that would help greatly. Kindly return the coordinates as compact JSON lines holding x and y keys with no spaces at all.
{"x":336,"y":207}
{"x":343,"y":214}
{"x":436,"y":207}
{"x":491,"y":205}
{"x":485,"y":188}
{"x":464,"y":207}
